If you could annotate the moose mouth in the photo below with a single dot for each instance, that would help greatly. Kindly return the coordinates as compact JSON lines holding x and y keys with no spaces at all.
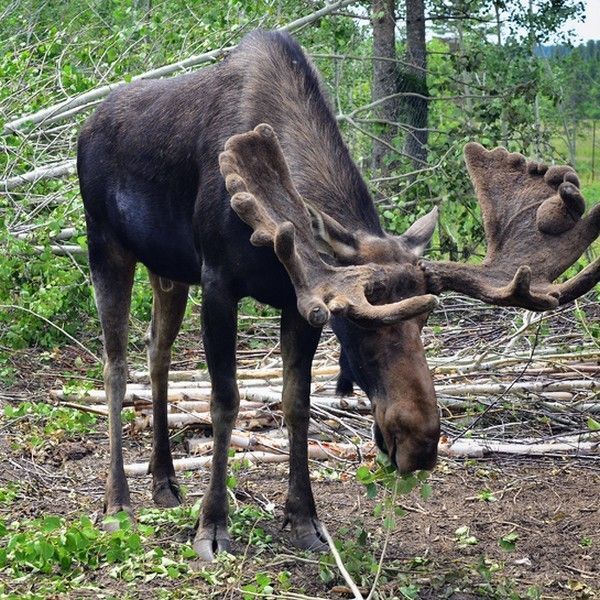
{"x":425,"y":458}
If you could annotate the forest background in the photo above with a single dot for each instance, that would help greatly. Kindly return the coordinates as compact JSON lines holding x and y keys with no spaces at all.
{"x":501,"y":72}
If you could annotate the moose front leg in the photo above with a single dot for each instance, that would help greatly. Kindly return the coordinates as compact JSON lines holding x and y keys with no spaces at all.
{"x":298,"y":345}
{"x":219,"y":325}
{"x":112,"y":270}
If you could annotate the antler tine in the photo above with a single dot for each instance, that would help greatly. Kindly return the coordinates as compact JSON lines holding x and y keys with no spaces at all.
{"x":583,"y":282}
{"x":364,"y":313}
{"x":309,"y":304}
{"x":535,"y":231}
{"x":264,"y":197}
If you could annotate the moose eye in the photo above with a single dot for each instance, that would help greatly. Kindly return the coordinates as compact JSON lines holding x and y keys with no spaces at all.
{"x":376,"y":292}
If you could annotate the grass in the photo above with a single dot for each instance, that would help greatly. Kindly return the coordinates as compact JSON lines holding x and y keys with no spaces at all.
{"x":590,"y":179}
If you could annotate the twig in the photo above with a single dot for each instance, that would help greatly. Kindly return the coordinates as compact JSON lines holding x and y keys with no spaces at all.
{"x":383,"y":550}
{"x":89,"y":98}
{"x":340,"y":564}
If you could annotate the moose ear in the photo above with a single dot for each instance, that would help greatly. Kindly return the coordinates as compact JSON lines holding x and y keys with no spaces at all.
{"x":419,"y":234}
{"x":332,"y":238}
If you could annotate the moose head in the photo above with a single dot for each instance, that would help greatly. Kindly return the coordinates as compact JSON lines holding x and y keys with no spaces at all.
{"x":377,"y":292}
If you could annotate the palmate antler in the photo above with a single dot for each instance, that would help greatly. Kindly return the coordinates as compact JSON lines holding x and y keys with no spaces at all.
{"x":533,"y":223}
{"x":263,"y":195}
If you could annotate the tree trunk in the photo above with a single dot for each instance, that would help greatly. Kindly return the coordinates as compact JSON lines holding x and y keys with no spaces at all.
{"x":414,"y":80}
{"x":385,"y":80}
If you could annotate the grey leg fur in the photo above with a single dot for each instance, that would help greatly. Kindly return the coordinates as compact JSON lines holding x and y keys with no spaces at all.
{"x":112,"y":270}
{"x":298,"y":345}
{"x":168,"y":307}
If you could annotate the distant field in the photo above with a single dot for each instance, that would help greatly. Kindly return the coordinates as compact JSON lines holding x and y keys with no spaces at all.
{"x":590,"y":179}
{"x":583,"y":156}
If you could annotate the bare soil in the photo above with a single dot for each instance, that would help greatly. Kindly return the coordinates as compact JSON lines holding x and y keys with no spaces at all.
{"x":551,"y":504}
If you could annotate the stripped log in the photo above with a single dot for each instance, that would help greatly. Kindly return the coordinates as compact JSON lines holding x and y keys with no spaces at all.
{"x":324,"y":451}
{"x":480,"y":447}
{"x":242,"y":374}
{"x":241,"y":441}
{"x":191,"y":390}
{"x":250,"y":419}
{"x":260,"y":396}
{"x":535,"y":387}
{"x":463,"y":448}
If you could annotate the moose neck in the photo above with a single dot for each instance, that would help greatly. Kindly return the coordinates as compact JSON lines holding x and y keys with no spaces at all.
{"x":282,"y":88}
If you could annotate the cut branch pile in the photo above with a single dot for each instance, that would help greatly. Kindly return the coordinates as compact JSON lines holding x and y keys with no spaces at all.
{"x":535,"y":403}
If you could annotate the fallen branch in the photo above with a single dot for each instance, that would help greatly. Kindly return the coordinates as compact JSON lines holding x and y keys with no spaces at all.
{"x":251,"y":419}
{"x":47,"y":172}
{"x":340,"y":564}
{"x":463,"y":448}
{"x":63,"y":250}
{"x":478,"y":448}
{"x":537,"y":387}
{"x":316,"y":451}
{"x":242,"y":374}
{"x":74,"y":105}
{"x":461,"y":396}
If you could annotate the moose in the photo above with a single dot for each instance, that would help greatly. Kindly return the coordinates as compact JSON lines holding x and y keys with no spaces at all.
{"x":236,"y":178}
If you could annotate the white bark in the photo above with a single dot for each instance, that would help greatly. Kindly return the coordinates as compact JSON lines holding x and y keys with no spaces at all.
{"x":463,"y":448}
{"x":73,"y":105}
{"x":46,"y":172}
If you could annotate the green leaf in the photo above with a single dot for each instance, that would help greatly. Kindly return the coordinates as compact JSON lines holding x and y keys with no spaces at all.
{"x":426,"y":491}
{"x":593,"y":425}
{"x":406,"y":484}
{"x":50,"y":523}
{"x":508,"y":542}
{"x":371,"y":491}
{"x":364,"y":475}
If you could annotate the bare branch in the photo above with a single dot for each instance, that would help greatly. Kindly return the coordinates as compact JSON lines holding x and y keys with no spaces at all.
{"x":88,"y":99}
{"x":47,"y":172}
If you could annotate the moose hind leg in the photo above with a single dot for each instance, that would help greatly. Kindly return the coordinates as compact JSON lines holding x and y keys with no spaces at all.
{"x":112,"y":269}
{"x":219,"y":325}
{"x":345,"y":384}
{"x":298,"y":345}
{"x":168,"y":307}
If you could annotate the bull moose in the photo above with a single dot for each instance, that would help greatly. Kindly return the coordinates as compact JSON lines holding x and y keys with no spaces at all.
{"x":236,"y":178}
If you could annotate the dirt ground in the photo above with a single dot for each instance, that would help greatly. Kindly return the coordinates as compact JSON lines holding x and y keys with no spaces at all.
{"x":445,"y":547}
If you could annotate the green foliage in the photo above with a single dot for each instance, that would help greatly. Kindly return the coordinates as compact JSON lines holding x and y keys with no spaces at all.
{"x":482,"y":88}
{"x":384,"y":476}
{"x":464,"y":538}
{"x":35,"y":425}
{"x":64,"y":551}
{"x":508,"y":542}
{"x":244,"y":526}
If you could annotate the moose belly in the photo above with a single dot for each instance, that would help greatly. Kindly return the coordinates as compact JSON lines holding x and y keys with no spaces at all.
{"x":158,"y":231}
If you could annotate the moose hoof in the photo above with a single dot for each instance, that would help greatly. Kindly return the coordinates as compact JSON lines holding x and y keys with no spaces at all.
{"x":113,"y":516}
{"x":166,"y":493}
{"x":308,"y":535}
{"x":209,"y":541}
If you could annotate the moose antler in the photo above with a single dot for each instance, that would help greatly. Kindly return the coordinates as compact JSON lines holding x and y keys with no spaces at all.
{"x":263,"y":195}
{"x":532,"y":216}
